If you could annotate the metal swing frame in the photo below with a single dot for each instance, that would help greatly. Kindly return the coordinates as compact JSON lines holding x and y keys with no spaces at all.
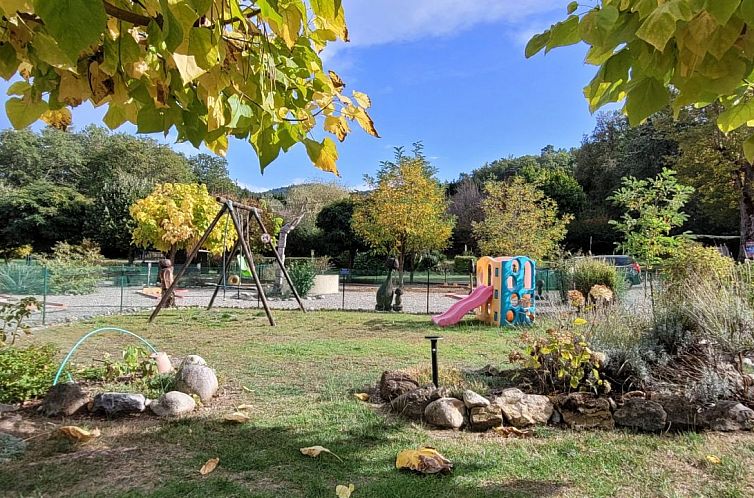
{"x":231,"y":208}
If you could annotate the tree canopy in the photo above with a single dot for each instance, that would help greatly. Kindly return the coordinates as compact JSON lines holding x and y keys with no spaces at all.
{"x":207,"y":69}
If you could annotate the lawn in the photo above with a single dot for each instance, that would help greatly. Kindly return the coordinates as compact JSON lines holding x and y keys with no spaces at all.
{"x":299,"y":378}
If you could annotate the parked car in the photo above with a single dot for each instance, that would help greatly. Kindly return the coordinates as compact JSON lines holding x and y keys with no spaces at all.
{"x":625,"y":264}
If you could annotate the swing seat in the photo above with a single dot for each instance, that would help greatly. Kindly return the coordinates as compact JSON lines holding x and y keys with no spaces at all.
{"x":243,"y":265}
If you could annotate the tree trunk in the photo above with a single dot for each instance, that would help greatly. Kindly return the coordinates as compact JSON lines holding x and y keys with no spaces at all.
{"x":282,"y":242}
{"x":745,"y":182}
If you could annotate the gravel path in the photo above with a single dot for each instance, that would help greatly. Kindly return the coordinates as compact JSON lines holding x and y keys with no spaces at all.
{"x":107,"y":301}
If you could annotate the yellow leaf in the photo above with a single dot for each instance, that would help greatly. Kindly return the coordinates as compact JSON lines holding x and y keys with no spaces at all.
{"x":363,"y":99}
{"x":78,"y":434}
{"x":237,"y":417}
{"x":209,"y":466}
{"x":361,"y":396}
{"x":187,"y":66}
{"x":336,"y":81}
{"x":360,"y":116}
{"x":512,"y":432}
{"x":60,"y":119}
{"x":342,"y":491}
{"x":324,"y":155}
{"x":579,"y":321}
{"x":315,"y":451}
{"x":714,"y":460}
{"x":338,"y":126}
{"x":426,"y":460}
{"x":244,"y":407}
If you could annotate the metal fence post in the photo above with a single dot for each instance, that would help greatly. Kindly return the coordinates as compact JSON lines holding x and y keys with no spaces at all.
{"x":122,"y":278}
{"x":44,"y":297}
{"x":428,"y":291}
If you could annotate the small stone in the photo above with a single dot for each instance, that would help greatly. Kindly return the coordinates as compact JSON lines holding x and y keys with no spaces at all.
{"x":446,"y":413}
{"x":64,"y":400}
{"x":474,"y":400}
{"x":584,"y":411}
{"x":524,"y":410}
{"x":641,"y":414}
{"x":728,"y":416}
{"x":412,"y":404}
{"x":483,"y":418}
{"x":173,"y":404}
{"x":194,"y":378}
{"x":119,"y":403}
{"x":396,"y":383}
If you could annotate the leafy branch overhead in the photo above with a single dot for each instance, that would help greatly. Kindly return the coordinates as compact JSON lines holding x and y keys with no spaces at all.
{"x":208,"y":69}
{"x":654,"y":53}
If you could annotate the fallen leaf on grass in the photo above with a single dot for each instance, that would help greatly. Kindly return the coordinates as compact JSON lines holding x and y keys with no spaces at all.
{"x":512,"y":432}
{"x":237,"y":417}
{"x":361,"y":396}
{"x":342,"y":491}
{"x":209,"y":466}
{"x":245,"y":407}
{"x":78,"y":434}
{"x":714,"y":460}
{"x":426,"y":460}
{"x":247,"y":389}
{"x":315,"y":451}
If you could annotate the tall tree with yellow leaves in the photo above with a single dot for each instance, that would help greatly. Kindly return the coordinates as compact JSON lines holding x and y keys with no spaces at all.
{"x":406,"y":212}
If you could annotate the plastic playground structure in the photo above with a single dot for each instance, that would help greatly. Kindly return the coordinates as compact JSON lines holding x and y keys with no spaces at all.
{"x":504,"y":294}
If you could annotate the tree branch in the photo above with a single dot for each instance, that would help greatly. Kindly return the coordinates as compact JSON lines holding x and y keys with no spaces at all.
{"x":128,"y":16}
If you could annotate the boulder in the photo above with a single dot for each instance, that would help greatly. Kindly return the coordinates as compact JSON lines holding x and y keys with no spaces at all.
{"x":682,"y":415}
{"x":396,"y":383}
{"x":173,"y":404}
{"x":193,"y":359}
{"x":412,"y":404}
{"x":193,"y":378}
{"x":64,"y":400}
{"x":474,"y":400}
{"x":641,"y":414}
{"x":446,"y":413}
{"x":585,"y":411}
{"x":524,"y":410}
{"x":119,"y":403}
{"x":728,"y":416}
{"x":483,"y":418}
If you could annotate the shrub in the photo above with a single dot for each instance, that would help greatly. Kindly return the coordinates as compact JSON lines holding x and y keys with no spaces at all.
{"x":693,"y":261}
{"x":74,"y":269}
{"x":302,"y":274}
{"x":563,"y":361}
{"x":12,"y":317}
{"x":464,"y":264}
{"x":21,"y":278}
{"x":370,"y":263}
{"x":26,"y":373}
{"x":587,"y":273}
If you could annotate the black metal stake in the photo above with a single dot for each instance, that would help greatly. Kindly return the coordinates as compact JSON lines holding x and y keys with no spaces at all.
{"x":433,"y":344}
{"x":343,"y":302}
{"x":428,"y":291}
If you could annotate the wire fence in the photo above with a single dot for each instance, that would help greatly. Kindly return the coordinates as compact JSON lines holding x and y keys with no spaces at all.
{"x":69,"y":293}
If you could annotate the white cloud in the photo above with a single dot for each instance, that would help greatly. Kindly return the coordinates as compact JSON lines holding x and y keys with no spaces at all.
{"x":373,"y":22}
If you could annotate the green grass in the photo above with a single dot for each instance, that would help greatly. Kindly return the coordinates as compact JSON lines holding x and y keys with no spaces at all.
{"x":299,"y":378}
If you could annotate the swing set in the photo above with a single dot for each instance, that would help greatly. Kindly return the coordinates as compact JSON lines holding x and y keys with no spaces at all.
{"x":241,"y":225}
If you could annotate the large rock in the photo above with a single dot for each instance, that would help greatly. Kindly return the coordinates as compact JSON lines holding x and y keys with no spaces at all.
{"x":483,"y":418}
{"x":641,"y":414}
{"x":524,"y":410}
{"x":728,"y":416}
{"x":584,"y":411}
{"x":119,"y":403}
{"x":196,"y":379}
{"x":173,"y":404}
{"x":446,"y":413}
{"x":474,"y":400}
{"x":64,"y":400}
{"x":412,"y":404}
{"x":396,"y":383}
{"x":682,"y":415}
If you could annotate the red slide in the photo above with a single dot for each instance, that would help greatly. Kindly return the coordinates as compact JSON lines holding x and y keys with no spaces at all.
{"x":455,"y":313}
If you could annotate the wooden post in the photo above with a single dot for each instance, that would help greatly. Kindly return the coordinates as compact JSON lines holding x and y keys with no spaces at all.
{"x":190,"y":258}
{"x":279,"y":260}
{"x":252,"y":267}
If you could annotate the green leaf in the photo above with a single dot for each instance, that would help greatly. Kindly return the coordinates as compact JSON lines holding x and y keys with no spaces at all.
{"x":48,"y":50}
{"x":572,"y":7}
{"x":19,"y":88}
{"x":749,"y":149}
{"x":75,"y":24}
{"x":8,"y":61}
{"x":607,"y":17}
{"x":645,"y":97}
{"x":23,"y":112}
{"x":747,"y":10}
{"x":564,"y":33}
{"x":204,"y":48}
{"x":324,"y":155}
{"x":722,"y":10}
{"x":537,"y":43}
{"x":267,"y":146}
{"x":736,"y":116}
{"x":658,"y":28}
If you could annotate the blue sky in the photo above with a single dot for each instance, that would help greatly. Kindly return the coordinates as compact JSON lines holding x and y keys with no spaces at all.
{"x":451,"y":74}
